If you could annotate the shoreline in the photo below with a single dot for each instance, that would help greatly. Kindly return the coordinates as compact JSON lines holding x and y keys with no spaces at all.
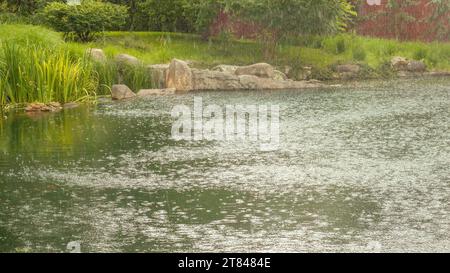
{"x":21,"y":107}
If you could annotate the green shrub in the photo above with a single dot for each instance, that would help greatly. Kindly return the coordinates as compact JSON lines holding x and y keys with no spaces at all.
{"x":388,"y":48}
{"x":385,"y":69}
{"x":420,"y":54}
{"x":13,"y":18}
{"x":336,"y":44}
{"x":2,"y":92}
{"x":340,"y":46}
{"x":24,"y":7}
{"x":359,"y":54}
{"x":86,"y":20}
{"x":109,"y":73}
{"x":166,"y":15}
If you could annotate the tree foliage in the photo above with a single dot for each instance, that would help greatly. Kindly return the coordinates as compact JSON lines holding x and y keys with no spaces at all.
{"x":282,"y":18}
{"x":296,"y":17}
{"x":86,"y":20}
{"x":166,"y":15}
{"x":24,"y":7}
{"x":440,"y":18}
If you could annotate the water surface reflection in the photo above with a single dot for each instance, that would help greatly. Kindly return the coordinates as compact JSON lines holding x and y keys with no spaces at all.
{"x":361,"y":168}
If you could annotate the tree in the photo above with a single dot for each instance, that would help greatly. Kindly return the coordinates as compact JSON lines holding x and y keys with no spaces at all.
{"x":85,"y":20}
{"x":202,"y":13}
{"x":27,"y":6}
{"x":281,"y":18}
{"x":440,"y":18}
{"x":135,"y":15}
{"x":397,"y":17}
{"x":166,"y":15}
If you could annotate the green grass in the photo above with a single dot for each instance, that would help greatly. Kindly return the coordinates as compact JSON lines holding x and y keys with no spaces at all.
{"x":36,"y":64}
{"x":378,"y":51}
{"x":319,"y":52}
{"x":155,"y":48}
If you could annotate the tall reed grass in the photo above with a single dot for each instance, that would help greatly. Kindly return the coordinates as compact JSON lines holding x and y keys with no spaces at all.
{"x":34,"y":73}
{"x":36,"y":65}
{"x":109,"y":73}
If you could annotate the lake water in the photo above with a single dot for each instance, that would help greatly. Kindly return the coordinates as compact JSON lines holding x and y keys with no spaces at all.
{"x":362,"y":167}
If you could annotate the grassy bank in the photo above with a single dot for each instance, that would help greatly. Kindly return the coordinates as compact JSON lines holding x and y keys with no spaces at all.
{"x":37,"y":65}
{"x":321,"y":53}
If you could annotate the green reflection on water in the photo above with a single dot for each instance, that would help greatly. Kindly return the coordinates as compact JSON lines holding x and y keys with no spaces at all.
{"x":359,"y":167}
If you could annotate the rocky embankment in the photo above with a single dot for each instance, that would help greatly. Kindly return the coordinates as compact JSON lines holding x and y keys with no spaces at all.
{"x":400,"y":67}
{"x":179,"y":76}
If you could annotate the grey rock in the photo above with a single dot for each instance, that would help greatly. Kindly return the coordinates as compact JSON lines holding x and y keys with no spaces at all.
{"x":303,"y":74}
{"x":179,"y":76}
{"x":121,"y":92}
{"x":96,"y":54}
{"x":215,"y":80}
{"x":125,"y":59}
{"x":261,"y":70}
{"x":286,"y":70}
{"x":399,"y":63}
{"x":348,"y":68}
{"x":416,"y":66}
{"x":42,"y":107}
{"x":278,"y":75}
{"x":226,"y":68}
{"x":158,"y":74}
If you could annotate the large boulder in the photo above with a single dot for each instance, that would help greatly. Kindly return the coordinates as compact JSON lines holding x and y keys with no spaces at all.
{"x":96,"y":54}
{"x":214,"y":80}
{"x":348,"y":71}
{"x":226,"y":68}
{"x":261,"y":70}
{"x":416,"y":66}
{"x":348,"y":68}
{"x":42,"y":107}
{"x":250,"y":82}
{"x":125,"y":59}
{"x":407,"y":67}
{"x":278,"y":75}
{"x":302,"y":74}
{"x":155,"y":92}
{"x":399,"y":63}
{"x":158,"y":74}
{"x":121,"y":92}
{"x":179,"y":76}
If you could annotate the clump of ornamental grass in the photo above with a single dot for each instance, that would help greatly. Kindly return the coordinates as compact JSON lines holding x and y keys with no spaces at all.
{"x":30,"y":73}
{"x":110,"y":72}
